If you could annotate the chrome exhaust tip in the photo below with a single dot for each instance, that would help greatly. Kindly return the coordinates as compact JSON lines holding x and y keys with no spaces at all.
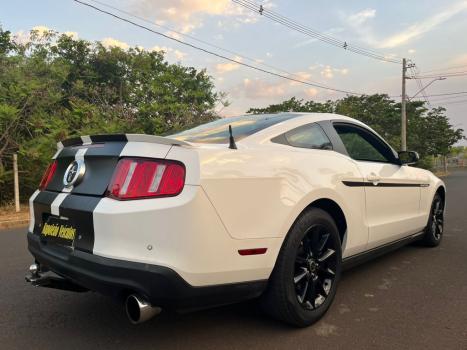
{"x":139,"y":310}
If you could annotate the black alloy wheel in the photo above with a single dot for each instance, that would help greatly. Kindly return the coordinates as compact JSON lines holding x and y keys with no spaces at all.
{"x":435,"y":227}
{"x":304,"y":281}
{"x":437,"y":218}
{"x":315,"y":267}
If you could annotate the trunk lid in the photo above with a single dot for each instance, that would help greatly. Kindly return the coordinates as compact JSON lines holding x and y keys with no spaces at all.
{"x":100,"y":155}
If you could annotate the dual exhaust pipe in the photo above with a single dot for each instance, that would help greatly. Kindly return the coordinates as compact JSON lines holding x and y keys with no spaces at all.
{"x":139,"y":310}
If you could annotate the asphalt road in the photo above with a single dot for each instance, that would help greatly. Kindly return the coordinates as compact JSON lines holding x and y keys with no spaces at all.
{"x":413,"y":298}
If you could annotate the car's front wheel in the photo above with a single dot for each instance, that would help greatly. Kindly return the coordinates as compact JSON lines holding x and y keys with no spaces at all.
{"x":304,"y":281}
{"x":435,"y":228}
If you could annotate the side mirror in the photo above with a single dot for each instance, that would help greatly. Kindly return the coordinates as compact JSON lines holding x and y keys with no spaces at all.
{"x":408,"y":157}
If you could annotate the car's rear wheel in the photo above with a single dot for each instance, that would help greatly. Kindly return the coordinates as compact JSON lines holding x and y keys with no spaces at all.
{"x":435,"y":228}
{"x":304,"y":281}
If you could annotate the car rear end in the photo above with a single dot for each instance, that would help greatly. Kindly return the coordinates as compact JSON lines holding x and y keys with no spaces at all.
{"x":123,"y":214}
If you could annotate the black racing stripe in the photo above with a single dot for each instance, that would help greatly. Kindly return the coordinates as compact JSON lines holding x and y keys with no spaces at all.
{"x":381,"y":184}
{"x":100,"y":165}
{"x":100,"y":161}
{"x":75,"y":141}
{"x":109,"y":138}
{"x":79,"y":209}
{"x":42,"y":207}
{"x":108,"y":149}
{"x":64,"y":159}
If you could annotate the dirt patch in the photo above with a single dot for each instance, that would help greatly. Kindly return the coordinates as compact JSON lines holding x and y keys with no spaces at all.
{"x":9,"y":218}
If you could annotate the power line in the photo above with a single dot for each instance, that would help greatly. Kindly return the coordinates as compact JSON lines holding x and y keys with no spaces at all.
{"x":445,"y":98}
{"x":446,"y":75}
{"x":444,"y":69}
{"x":450,"y":102}
{"x":448,"y":94}
{"x":256,"y":61}
{"x":301,"y":28}
{"x":310,"y":32}
{"x":214,"y":53}
{"x":276,"y":17}
{"x":414,"y":70}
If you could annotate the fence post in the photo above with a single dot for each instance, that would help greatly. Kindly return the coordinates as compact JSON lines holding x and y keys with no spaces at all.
{"x":15,"y":171}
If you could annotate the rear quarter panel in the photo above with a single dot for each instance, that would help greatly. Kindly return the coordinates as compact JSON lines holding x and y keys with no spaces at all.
{"x":259,"y":192}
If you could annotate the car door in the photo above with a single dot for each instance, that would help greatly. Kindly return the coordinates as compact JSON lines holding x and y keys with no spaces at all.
{"x":392,"y":191}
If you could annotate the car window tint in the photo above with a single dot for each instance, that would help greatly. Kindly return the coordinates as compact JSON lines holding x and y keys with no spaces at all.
{"x":308,"y":136}
{"x":363,"y":145}
{"x":242,"y":126}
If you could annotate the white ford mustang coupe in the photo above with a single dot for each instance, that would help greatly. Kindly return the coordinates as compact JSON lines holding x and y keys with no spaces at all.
{"x":270,"y":206}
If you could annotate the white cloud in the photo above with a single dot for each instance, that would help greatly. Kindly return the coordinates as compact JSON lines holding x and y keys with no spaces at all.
{"x":411,"y":51}
{"x":187,"y":15}
{"x":273,"y":91}
{"x":41,"y":30}
{"x":222,"y":68}
{"x":111,"y":42}
{"x":300,"y":76}
{"x":420,"y":28}
{"x":359,"y":22}
{"x":311,"y":92}
{"x":460,"y":60}
{"x":174,"y":35}
{"x":23,"y":37}
{"x":258,"y":88}
{"x":177,"y":54}
{"x":361,"y":17}
{"x":160,"y":48}
{"x":72,"y":35}
{"x":328,"y":71}
{"x":330,"y":32}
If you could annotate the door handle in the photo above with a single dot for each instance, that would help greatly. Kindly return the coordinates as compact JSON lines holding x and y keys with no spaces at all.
{"x":373,"y":178}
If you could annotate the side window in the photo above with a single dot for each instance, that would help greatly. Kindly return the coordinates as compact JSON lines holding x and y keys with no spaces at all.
{"x":305,"y":136}
{"x":363,"y":145}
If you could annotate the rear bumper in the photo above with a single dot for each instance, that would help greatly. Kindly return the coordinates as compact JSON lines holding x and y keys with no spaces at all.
{"x":160,"y":285}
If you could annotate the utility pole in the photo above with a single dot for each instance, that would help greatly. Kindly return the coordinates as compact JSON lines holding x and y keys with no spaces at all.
{"x":403,"y":108}
{"x":405,"y":66}
{"x":16,"y":181}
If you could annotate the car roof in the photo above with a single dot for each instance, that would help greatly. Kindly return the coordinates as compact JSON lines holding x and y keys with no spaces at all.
{"x":299,"y":119}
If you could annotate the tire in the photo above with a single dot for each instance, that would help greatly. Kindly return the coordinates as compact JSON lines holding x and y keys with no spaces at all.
{"x":303,"y":283}
{"x":435,"y":227}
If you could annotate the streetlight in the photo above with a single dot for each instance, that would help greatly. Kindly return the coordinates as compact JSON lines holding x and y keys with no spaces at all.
{"x":431,"y":82}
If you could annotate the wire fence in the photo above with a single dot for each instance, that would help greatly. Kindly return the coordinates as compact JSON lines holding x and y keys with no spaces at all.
{"x":450,"y":162}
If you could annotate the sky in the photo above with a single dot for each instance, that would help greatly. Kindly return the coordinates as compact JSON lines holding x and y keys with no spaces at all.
{"x":428,"y":32}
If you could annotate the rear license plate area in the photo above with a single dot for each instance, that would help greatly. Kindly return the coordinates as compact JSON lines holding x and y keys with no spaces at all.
{"x":58,"y":230}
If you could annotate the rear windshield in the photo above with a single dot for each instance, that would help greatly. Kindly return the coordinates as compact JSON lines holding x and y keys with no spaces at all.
{"x":243,"y":126}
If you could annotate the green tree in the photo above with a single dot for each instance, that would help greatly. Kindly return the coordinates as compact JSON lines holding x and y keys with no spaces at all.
{"x":55,"y":87}
{"x":295,"y":105}
{"x":433,"y":134}
{"x":429,"y":131}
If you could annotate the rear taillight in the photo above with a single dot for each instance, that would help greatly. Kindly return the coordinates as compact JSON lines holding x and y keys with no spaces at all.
{"x":136,"y":178}
{"x":48,"y":175}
